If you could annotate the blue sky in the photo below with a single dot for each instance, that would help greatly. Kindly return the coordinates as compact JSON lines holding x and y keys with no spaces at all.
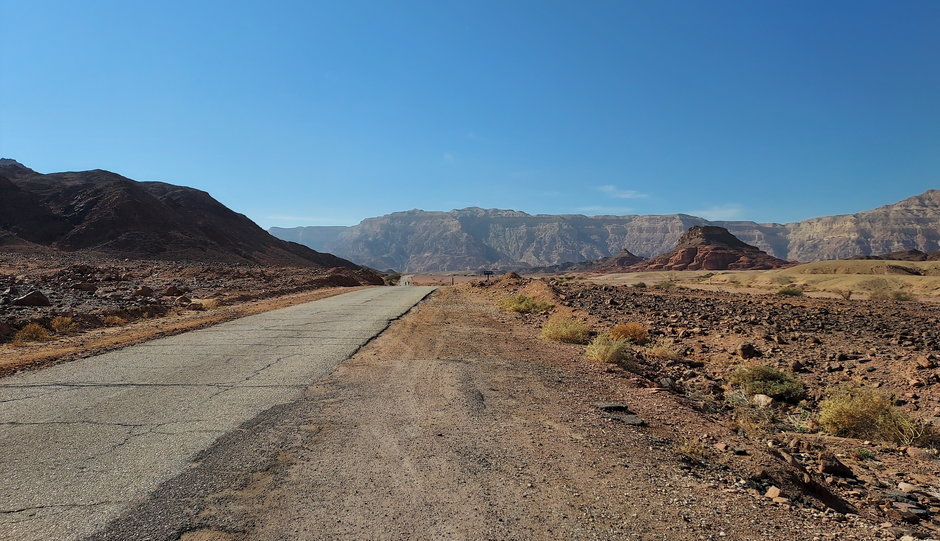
{"x":320,"y":113}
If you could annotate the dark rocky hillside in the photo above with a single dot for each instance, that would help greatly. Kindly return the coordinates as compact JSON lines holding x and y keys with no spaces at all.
{"x":903,"y":255}
{"x":103,"y":212}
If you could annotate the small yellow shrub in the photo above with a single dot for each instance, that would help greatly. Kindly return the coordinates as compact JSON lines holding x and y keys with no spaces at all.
{"x":210,"y":304}
{"x":566,"y":329}
{"x":634,"y":332}
{"x":663,"y":352}
{"x":63,"y":325}
{"x":114,"y":321}
{"x":866,"y":413}
{"x":607,"y":349}
{"x":33,"y":332}
{"x":692,"y":448}
{"x":524,"y":304}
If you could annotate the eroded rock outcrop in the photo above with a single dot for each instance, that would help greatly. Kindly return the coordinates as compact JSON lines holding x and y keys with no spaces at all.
{"x":711,"y":248}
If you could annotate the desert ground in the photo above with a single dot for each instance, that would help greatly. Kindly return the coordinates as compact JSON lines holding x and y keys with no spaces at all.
{"x":852,"y":278}
{"x":466,"y":420}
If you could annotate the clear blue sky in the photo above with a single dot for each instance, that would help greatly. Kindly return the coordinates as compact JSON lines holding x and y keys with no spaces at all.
{"x":317,"y":113}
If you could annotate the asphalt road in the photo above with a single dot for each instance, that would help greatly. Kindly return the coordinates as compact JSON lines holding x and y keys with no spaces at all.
{"x":83,"y":441}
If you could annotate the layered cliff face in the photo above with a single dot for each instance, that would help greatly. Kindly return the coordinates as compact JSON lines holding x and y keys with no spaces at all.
{"x":474,"y":238}
{"x":711,"y":248}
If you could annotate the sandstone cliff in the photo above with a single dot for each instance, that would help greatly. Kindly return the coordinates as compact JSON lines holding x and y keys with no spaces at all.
{"x":473,"y":238}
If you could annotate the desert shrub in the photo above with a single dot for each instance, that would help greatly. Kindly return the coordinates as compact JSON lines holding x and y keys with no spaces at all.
{"x":391,"y":279}
{"x":762,"y":379}
{"x":844,"y":293}
{"x":632,"y":331}
{"x":887,"y":295}
{"x":668,"y":284}
{"x":606,"y":349}
{"x":861,"y":453}
{"x":639,"y":285}
{"x":663,"y":352}
{"x":751,"y":420}
{"x":114,"y":321}
{"x":692,"y":448}
{"x":790,"y":291}
{"x":524,"y":304}
{"x":865,"y":412}
{"x":32,"y":332}
{"x":63,"y":325}
{"x":880,"y":295}
{"x":210,"y":304}
{"x":566,"y":329}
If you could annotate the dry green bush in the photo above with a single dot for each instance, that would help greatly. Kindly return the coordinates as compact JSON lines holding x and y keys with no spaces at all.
{"x":607,"y":349}
{"x":524,"y":304}
{"x":866,"y":413}
{"x":566,"y":329}
{"x":763,"y":379}
{"x":886,"y":295}
{"x":63,"y":325}
{"x":692,"y":448}
{"x":114,"y":321}
{"x":790,"y":292}
{"x":636,"y":333}
{"x":663,"y":352}
{"x":32,"y":332}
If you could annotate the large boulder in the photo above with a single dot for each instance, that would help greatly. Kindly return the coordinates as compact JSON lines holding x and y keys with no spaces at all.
{"x":33,"y":298}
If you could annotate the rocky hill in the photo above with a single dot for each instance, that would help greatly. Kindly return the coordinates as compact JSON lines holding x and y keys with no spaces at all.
{"x":99,"y":211}
{"x":473,"y":238}
{"x":710,"y":248}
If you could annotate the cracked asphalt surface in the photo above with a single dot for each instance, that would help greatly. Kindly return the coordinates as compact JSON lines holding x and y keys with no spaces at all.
{"x":83,"y":441}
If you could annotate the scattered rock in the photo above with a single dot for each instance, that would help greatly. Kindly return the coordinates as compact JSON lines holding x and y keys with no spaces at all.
{"x":773,"y":492}
{"x":85,"y":286}
{"x":612,"y":407}
{"x":907,"y":487}
{"x":831,"y":465}
{"x":762,"y":400}
{"x":172,"y":291}
{"x":33,"y":298}
{"x":748,"y":350}
{"x":143,"y":291}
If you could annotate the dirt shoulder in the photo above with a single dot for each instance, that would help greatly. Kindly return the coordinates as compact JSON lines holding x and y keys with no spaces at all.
{"x":459,"y":422}
{"x":14,"y":358}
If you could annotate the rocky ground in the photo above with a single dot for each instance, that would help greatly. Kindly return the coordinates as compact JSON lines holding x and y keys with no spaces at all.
{"x":825,"y":343}
{"x":94,"y":292}
{"x":459,"y":422}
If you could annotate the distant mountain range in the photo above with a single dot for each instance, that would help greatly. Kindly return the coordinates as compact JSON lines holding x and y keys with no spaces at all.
{"x":102,"y":212}
{"x":474,"y":238}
